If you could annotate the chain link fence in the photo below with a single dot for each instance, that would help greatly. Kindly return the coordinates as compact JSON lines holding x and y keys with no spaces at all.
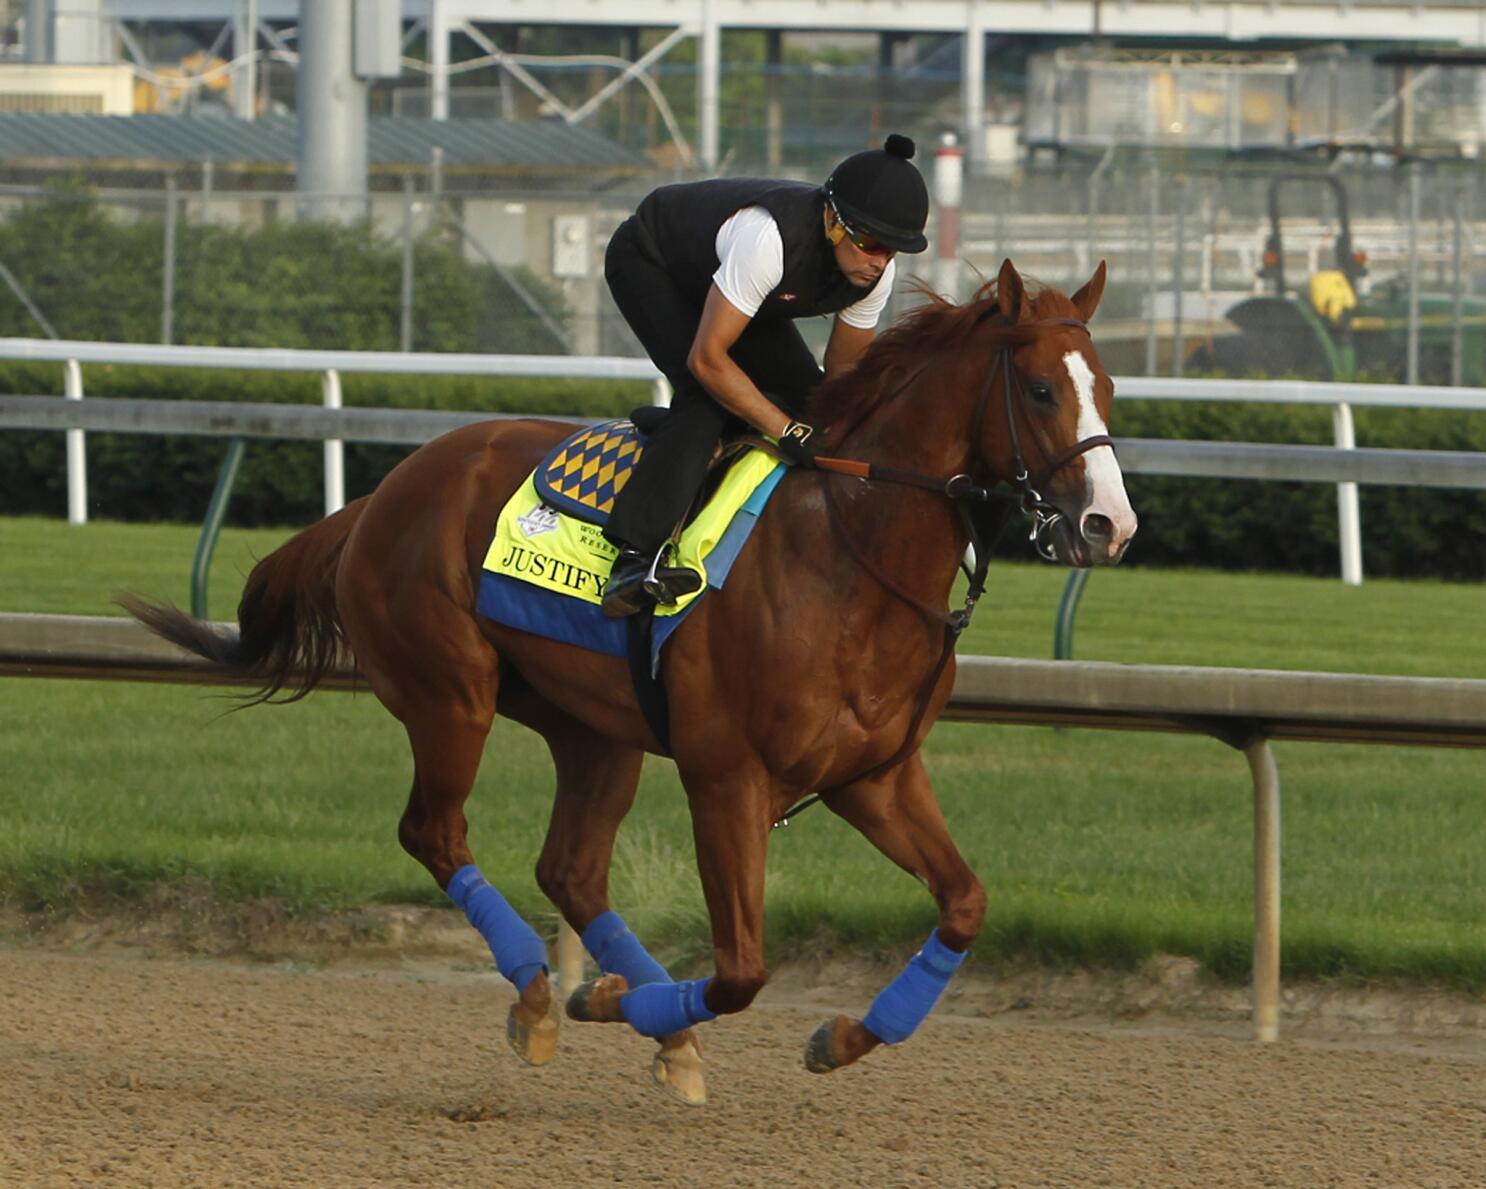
{"x":497,"y":268}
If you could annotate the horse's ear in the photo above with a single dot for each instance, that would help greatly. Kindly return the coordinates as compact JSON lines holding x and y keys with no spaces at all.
{"x":1011,"y":294}
{"x":1086,"y":300}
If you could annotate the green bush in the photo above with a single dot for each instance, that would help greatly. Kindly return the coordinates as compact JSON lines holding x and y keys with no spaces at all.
{"x":1249,"y":525}
{"x":306,"y":284}
{"x":285,"y":285}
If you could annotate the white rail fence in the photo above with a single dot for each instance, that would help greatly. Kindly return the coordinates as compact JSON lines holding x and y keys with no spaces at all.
{"x":1212,"y":459}
{"x":1244,"y":708}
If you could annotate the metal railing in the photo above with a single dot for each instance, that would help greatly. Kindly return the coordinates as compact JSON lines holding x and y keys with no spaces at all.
{"x":1157,"y":458}
{"x":238,"y":421}
{"x":73,"y":354}
{"x":1243,"y":708}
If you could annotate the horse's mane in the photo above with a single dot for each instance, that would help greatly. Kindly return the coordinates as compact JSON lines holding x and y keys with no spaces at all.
{"x":932,"y":328}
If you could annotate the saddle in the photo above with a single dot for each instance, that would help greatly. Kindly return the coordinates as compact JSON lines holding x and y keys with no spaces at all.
{"x":582,"y":476}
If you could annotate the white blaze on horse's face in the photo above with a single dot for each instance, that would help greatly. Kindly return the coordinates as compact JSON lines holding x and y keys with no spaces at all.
{"x":1107,"y":521}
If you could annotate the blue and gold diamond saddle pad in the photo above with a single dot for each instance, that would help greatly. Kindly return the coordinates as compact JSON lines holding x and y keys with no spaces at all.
{"x":584,"y":473}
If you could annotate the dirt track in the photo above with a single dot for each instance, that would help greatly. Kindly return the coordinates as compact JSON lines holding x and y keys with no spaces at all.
{"x":120,"y":1070}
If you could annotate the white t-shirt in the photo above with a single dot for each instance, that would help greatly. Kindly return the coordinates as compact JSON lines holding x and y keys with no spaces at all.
{"x":750,"y":252}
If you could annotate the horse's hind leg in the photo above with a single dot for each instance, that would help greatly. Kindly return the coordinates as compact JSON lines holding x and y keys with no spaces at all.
{"x":899,"y":814}
{"x":448,"y":735}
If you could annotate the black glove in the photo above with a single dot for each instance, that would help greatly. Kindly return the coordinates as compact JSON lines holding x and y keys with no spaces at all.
{"x":794,"y":444}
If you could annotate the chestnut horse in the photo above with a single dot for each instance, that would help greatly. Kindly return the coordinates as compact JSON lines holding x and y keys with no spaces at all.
{"x":821,"y":665}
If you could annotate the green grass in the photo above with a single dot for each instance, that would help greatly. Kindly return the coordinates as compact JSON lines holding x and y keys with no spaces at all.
{"x":1095,"y":846}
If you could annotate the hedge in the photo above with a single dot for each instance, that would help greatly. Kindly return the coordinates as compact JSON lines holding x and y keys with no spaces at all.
{"x":1227,"y":524}
{"x":1252,"y":525}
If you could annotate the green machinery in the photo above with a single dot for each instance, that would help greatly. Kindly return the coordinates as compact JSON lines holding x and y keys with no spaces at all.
{"x":1324,"y":329}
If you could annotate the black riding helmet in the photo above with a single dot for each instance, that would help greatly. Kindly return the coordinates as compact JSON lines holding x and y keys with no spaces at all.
{"x":880,"y":192}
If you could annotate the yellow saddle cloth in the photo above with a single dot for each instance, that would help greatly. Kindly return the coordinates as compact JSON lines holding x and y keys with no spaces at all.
{"x":540,"y":543}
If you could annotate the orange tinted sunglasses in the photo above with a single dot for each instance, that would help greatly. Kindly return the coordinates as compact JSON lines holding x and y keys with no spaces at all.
{"x":869,"y":245}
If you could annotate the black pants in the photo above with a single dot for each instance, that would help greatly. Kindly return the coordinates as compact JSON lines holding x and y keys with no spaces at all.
{"x":674,"y":465}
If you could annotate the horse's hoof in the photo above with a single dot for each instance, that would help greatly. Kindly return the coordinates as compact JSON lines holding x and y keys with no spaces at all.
{"x":533,"y":1037}
{"x":837,"y":1043}
{"x":678,"y":1070}
{"x":597,"y":1001}
{"x":820,"y":1056}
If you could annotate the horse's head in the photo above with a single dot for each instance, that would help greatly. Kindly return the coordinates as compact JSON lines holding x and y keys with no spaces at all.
{"x":1044,"y":421}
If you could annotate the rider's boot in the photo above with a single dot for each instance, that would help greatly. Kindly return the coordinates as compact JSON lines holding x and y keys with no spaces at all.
{"x":638,"y":581}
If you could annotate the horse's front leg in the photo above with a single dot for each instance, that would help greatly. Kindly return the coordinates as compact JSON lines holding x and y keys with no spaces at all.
{"x":899,"y":814}
{"x":730,"y":826}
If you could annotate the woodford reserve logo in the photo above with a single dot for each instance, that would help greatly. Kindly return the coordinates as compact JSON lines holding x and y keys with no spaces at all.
{"x":559,"y":563}
{"x":539,"y":520}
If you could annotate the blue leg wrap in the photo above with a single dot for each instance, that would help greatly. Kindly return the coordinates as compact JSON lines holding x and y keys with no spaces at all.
{"x":519,"y":953}
{"x":659,"y":1009}
{"x":902,"y":1005}
{"x":618,"y":951}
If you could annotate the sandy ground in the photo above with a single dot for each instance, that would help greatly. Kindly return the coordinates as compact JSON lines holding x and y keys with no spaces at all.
{"x":381,"y":1063}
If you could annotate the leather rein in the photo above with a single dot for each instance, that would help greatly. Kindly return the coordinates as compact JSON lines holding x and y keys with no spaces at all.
{"x":964,"y":493}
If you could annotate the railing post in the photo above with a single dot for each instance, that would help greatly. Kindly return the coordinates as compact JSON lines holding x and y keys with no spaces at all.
{"x":335,"y":449}
{"x":1266,"y":889}
{"x":211,"y":527}
{"x":77,"y":459}
{"x":1073,"y":591}
{"x":1348,"y":514}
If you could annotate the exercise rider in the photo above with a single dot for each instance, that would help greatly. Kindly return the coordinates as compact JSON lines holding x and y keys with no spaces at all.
{"x":710,"y":276}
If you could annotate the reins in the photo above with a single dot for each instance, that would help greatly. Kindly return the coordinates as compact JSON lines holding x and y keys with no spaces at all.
{"x":963,"y":492}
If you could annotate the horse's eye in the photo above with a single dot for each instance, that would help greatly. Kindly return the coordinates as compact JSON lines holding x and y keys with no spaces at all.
{"x":1040,"y":391}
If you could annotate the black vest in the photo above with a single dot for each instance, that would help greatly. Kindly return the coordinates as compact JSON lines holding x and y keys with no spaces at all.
{"x":681,"y":222}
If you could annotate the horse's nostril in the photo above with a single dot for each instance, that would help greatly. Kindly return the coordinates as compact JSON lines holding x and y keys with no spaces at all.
{"x":1098,"y":529}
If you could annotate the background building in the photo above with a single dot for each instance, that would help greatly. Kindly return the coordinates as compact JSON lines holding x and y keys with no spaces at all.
{"x":1141,"y":131}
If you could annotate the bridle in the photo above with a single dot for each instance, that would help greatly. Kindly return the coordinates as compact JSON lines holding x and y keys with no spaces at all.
{"x":964,"y":493}
{"x":1044,"y":514}
{"x":961,"y":489}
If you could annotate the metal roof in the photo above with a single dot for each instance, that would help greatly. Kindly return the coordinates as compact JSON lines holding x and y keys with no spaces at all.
{"x":273,"y":140}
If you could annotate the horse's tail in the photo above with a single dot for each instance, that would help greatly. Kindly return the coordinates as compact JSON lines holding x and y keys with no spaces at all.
{"x":289,"y":632}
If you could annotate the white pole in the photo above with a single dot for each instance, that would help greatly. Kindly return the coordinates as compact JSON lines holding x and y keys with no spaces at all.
{"x":245,"y":50}
{"x":77,"y":461}
{"x":1348,"y":514}
{"x":438,"y":59}
{"x":335,"y":449}
{"x":1266,"y":889}
{"x":709,"y":67}
{"x":949,"y":186}
{"x":973,"y":82}
{"x":331,"y":166}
